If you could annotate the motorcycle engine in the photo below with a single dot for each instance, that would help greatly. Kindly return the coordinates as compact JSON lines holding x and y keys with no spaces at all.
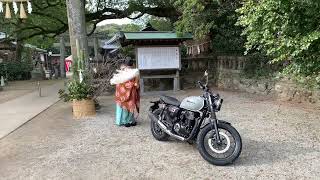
{"x":173,"y":111}
{"x":180,"y":121}
{"x":171,"y":116}
{"x":185,"y":124}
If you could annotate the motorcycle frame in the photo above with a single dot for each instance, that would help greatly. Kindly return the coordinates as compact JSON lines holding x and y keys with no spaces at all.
{"x":209,"y":108}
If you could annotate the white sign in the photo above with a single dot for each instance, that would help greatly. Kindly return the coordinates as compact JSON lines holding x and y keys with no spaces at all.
{"x":158,"y":58}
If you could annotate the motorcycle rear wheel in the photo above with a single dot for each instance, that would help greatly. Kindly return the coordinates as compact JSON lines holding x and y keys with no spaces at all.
{"x":219,"y":154}
{"x":156,"y":130}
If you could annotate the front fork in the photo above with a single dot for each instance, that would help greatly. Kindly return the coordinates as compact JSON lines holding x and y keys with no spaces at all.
{"x":214,"y":125}
{"x":213,"y":119}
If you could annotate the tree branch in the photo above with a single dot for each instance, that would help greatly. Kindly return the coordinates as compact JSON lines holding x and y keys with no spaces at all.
{"x":42,"y":9}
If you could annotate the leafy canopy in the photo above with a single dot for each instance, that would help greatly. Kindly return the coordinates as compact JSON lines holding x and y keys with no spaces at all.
{"x":287,"y":30}
{"x":49,"y":18}
{"x":213,"y":18}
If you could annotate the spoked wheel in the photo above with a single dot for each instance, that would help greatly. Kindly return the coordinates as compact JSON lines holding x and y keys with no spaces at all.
{"x":219,"y":153}
{"x":156,"y":130}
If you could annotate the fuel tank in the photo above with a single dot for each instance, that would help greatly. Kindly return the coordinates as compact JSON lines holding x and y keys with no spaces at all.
{"x":192,"y":103}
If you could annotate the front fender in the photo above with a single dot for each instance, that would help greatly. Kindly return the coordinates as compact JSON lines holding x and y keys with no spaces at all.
{"x":204,"y":124}
{"x":222,"y":121}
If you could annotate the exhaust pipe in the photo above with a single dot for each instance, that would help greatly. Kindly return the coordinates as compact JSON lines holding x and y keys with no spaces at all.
{"x":163,"y":127}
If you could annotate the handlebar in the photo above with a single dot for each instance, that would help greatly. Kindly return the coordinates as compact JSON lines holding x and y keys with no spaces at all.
{"x":202,"y":86}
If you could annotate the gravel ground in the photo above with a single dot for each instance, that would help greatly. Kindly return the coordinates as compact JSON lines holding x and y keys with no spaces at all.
{"x":16,"y":89}
{"x":280,"y":141}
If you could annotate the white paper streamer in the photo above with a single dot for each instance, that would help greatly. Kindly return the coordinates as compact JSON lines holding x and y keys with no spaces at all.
{"x":29,"y":7}
{"x":1,"y":7}
{"x":80,"y":76}
{"x":15,"y":7}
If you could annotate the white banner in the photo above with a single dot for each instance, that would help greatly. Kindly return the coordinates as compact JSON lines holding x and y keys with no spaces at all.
{"x":158,"y":58}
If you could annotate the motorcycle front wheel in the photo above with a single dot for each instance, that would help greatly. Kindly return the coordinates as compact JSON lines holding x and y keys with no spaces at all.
{"x":219,"y":154}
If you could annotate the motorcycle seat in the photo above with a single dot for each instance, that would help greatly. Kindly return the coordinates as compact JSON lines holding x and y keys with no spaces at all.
{"x":170,"y":100}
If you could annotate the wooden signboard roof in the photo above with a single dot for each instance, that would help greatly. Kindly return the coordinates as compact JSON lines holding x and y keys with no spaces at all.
{"x":153,"y":38}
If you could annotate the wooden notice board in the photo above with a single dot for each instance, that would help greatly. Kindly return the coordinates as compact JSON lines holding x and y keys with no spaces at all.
{"x":150,"y":58}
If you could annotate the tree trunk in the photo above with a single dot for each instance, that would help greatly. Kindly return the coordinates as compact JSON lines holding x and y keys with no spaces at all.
{"x":19,"y":48}
{"x":77,"y":28}
{"x":19,"y":45}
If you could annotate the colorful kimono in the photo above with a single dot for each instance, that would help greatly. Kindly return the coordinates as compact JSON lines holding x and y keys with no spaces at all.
{"x":128,"y":101}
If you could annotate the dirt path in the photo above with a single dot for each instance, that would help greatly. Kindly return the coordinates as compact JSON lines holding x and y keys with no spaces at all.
{"x":279,"y":142}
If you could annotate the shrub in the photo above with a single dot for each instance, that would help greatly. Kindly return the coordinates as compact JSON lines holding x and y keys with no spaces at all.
{"x":257,"y":66}
{"x":77,"y":90}
{"x":16,"y":70}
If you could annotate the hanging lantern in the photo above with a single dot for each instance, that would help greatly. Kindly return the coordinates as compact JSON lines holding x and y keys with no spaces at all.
{"x":23,"y":14}
{"x":8,"y":12}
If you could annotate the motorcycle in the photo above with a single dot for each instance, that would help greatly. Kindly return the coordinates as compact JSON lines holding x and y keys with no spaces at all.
{"x":194,"y":119}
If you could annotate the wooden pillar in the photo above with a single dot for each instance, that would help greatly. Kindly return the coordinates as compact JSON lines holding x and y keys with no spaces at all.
{"x":141,"y":85}
{"x":62,"y":57}
{"x":95,"y":47}
{"x":176,"y":81}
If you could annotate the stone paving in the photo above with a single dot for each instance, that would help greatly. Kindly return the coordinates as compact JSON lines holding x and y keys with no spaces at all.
{"x":280,"y":141}
{"x":17,"y":89}
{"x":16,"y":112}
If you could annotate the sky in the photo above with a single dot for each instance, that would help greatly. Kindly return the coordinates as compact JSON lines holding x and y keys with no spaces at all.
{"x":115,"y":21}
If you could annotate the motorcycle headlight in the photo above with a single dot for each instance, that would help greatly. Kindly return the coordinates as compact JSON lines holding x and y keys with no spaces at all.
{"x":218,"y":103}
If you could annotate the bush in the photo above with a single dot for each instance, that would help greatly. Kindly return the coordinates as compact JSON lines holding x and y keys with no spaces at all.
{"x":16,"y":70}
{"x":257,"y":67}
{"x":77,"y":91}
{"x":293,"y":72}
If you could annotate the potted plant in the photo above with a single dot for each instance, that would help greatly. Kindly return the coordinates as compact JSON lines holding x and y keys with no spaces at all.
{"x":79,"y":90}
{"x":81,"y":95}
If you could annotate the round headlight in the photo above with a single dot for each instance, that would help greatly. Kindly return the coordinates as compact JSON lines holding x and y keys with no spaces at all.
{"x":218,"y":103}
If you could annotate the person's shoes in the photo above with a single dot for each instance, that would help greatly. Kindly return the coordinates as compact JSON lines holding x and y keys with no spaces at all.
{"x":133,"y":124}
{"x":127,"y":125}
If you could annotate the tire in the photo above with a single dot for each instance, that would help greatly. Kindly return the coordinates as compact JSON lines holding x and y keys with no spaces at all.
{"x":156,"y":130}
{"x":211,"y":151}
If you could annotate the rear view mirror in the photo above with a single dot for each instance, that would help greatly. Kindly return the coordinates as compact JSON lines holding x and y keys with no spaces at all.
{"x":206,"y":73}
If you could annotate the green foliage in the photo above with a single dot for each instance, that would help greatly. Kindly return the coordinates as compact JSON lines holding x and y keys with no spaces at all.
{"x":16,"y":70}
{"x":77,"y":91}
{"x":26,"y":54}
{"x":160,"y":24}
{"x":257,"y":66}
{"x":128,"y":51}
{"x":46,"y":19}
{"x":293,"y":72}
{"x":112,"y":29}
{"x":130,"y":27}
{"x":183,"y":50}
{"x":288,"y":31}
{"x":214,"y":18}
{"x":41,"y":42}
